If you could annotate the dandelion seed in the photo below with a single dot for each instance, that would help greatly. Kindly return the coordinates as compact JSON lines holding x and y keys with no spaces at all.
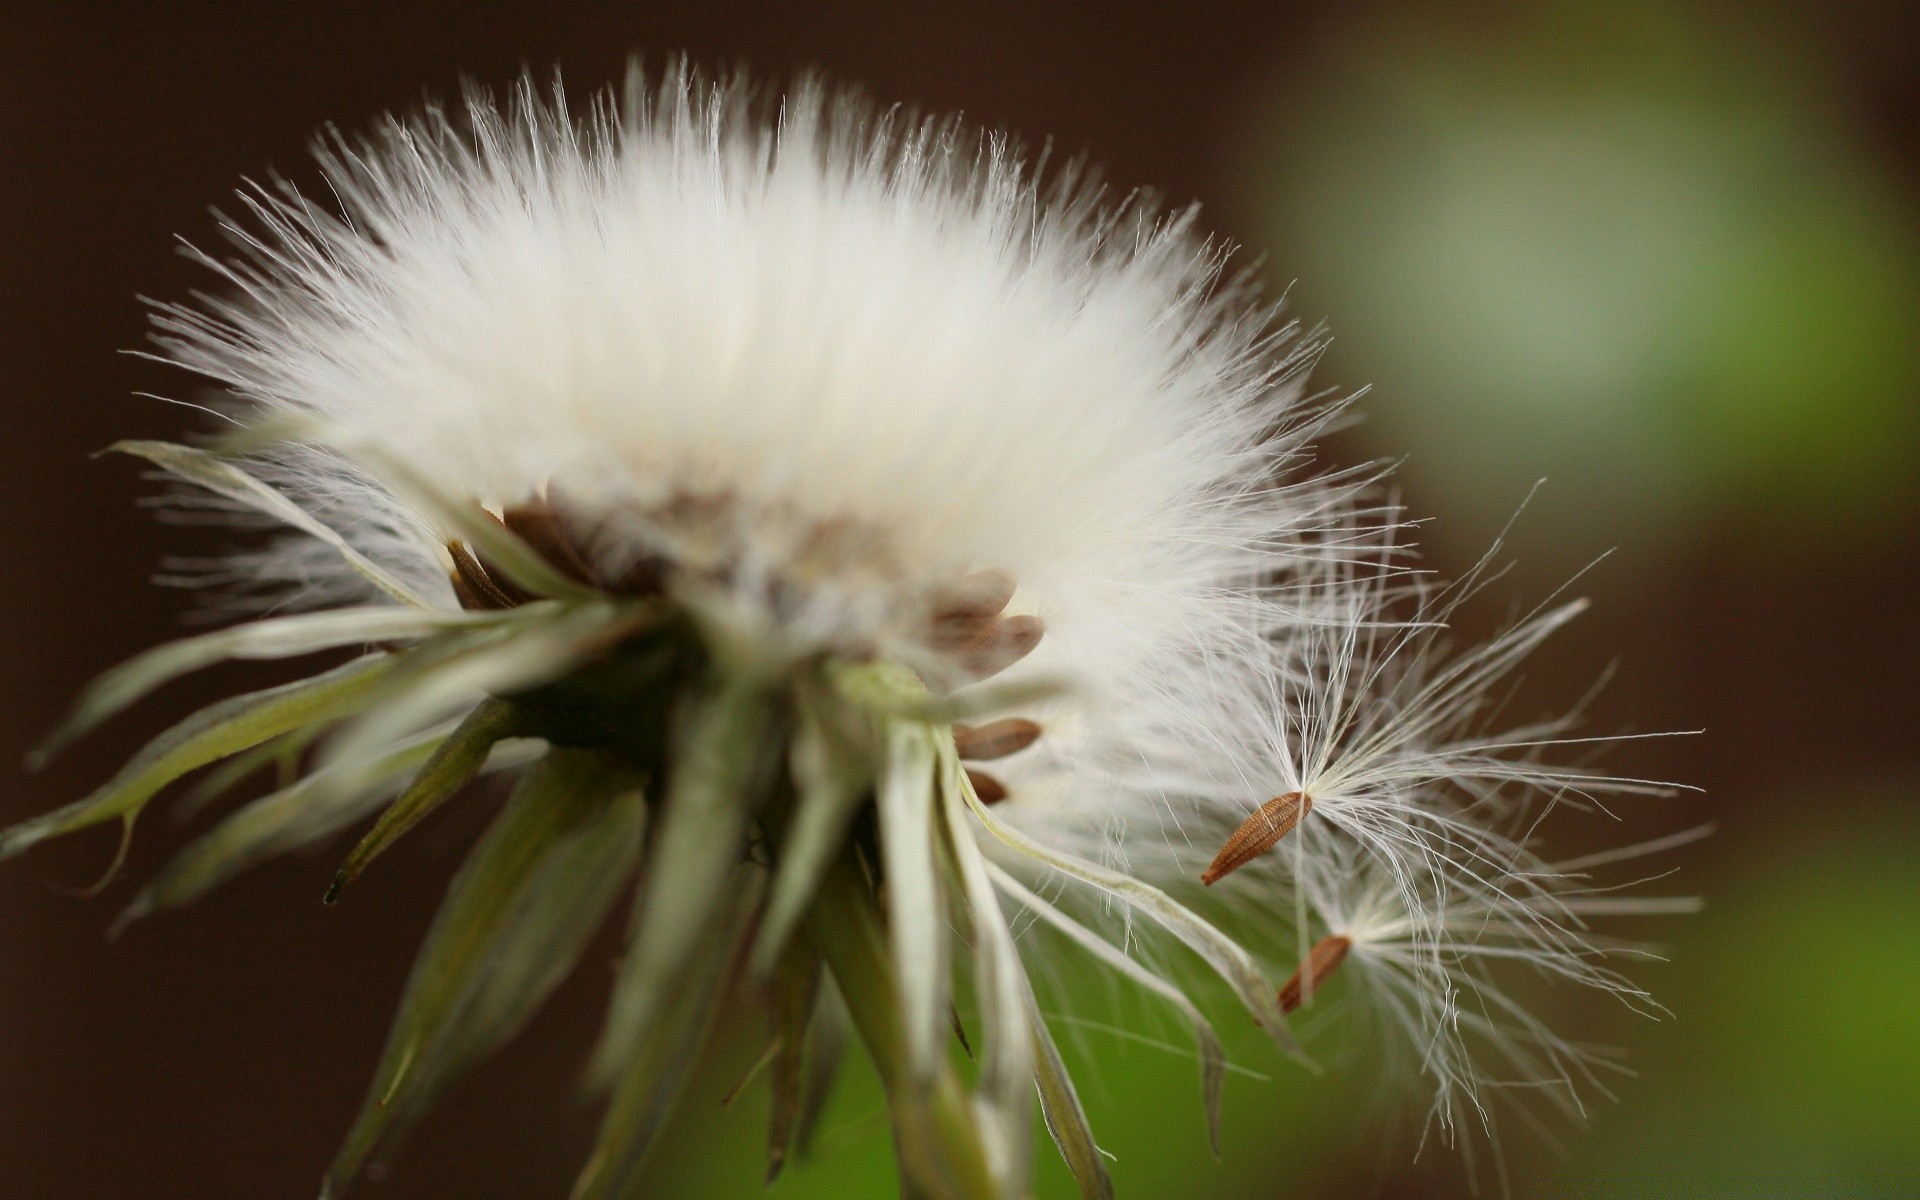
{"x":996,"y":739}
{"x":977,"y":596}
{"x":984,"y":647}
{"x":1325,"y":957}
{"x":985,"y":786}
{"x":1258,"y":834}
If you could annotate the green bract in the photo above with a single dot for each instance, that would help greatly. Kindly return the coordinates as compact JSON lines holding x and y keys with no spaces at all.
{"x":790,"y":824}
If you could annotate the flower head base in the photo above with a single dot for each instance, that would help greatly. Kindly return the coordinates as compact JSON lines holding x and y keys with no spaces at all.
{"x":853,"y":539}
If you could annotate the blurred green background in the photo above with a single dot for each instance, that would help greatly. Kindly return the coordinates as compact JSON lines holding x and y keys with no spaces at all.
{"x":1662,"y":255}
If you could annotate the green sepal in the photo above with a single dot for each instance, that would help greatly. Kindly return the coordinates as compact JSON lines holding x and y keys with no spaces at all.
{"x":727,"y":761}
{"x":1060,"y":1105}
{"x":452,"y":765}
{"x":273,"y":638}
{"x":623,"y":699}
{"x":229,"y":727}
{"x":1213,"y":1058}
{"x":1220,"y":952}
{"x":793,"y":996}
{"x":221,"y":477}
{"x":832,"y":780}
{"x":558,"y":916}
{"x":936,"y":1133}
{"x":529,"y":646}
{"x":278,"y":822}
{"x":667,"y":1047}
{"x":515,"y":920}
{"x":917,"y":922}
{"x":826,"y":1051}
{"x":1004,"y":1092}
{"x":283,"y":754}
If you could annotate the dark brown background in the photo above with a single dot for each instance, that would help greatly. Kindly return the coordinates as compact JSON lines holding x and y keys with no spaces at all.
{"x":218,"y":1053}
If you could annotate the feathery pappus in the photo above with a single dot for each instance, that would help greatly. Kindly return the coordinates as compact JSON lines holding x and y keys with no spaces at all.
{"x":853,"y":539}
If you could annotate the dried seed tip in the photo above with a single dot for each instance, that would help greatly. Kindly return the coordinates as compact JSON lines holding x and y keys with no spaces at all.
{"x":985,"y":786}
{"x":995,"y":739}
{"x":959,"y":1030}
{"x":1327,"y":954}
{"x":1258,"y":834}
{"x":977,"y":596}
{"x":475,"y":586}
{"x":470,"y":600}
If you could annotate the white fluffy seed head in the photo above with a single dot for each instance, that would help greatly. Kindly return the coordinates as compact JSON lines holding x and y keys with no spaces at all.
{"x":834,"y":360}
{"x":872,"y":352}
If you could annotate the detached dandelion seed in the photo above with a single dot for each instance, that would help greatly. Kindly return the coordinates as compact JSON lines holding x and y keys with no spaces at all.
{"x":1327,"y":955}
{"x":739,"y":474}
{"x":1258,"y":834}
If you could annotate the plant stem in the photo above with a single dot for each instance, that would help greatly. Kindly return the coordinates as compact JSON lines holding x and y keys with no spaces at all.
{"x":938,"y":1142}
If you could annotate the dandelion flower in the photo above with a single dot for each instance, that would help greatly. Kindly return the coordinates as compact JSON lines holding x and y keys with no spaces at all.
{"x":849,"y":537}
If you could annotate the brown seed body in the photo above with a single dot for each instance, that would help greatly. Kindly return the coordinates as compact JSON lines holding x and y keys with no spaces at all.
{"x":1327,"y":954}
{"x":995,"y":739}
{"x":1258,"y":834}
{"x":984,"y":648}
{"x":541,"y":528}
{"x":979,"y":595}
{"x":985,"y":786}
{"x":964,"y":622}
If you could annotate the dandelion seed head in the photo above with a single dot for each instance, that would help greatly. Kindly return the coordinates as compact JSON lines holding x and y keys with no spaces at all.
{"x":838,"y":356}
{"x":857,"y":532}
